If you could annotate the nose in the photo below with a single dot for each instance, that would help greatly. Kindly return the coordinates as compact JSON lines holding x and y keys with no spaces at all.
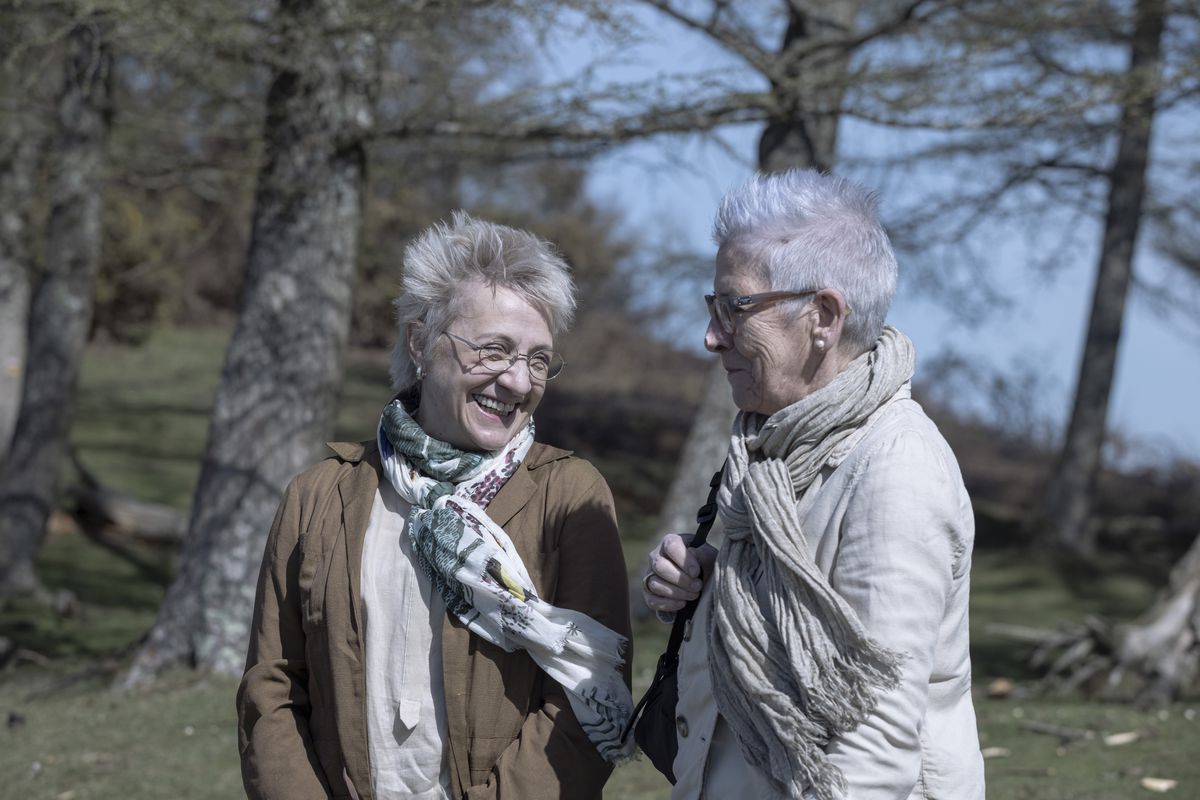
{"x":715,"y":337}
{"x":516,"y":378}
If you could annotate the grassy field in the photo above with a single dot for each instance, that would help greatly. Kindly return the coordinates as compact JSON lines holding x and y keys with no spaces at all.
{"x":141,"y":425}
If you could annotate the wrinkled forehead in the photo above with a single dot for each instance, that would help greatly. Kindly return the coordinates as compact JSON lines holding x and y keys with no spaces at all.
{"x":744,"y":262}
{"x":476,"y":298}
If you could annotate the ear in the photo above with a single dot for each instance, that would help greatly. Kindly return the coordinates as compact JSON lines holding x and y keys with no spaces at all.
{"x":414,"y":340}
{"x":831,"y":316}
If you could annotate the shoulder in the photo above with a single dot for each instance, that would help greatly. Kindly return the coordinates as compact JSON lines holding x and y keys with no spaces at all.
{"x":903,"y":466}
{"x":904,"y":434}
{"x":344,"y":460}
{"x":563,"y":474}
{"x":574,"y":508}
{"x":903,"y":479}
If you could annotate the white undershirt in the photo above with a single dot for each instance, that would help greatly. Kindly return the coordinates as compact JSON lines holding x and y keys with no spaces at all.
{"x":406,"y":716}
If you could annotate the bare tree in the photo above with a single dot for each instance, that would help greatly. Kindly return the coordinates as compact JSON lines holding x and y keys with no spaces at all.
{"x":1160,"y":652}
{"x":808,"y":76}
{"x":1069,"y":495}
{"x":1044,"y":113}
{"x":1013,"y":94}
{"x":279,"y":384}
{"x":60,"y":312}
{"x":275,"y":402}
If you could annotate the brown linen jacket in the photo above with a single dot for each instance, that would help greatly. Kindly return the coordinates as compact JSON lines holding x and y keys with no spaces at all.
{"x":512,"y":735}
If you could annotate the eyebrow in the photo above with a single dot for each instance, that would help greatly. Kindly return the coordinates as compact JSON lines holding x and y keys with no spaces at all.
{"x":510,"y":342}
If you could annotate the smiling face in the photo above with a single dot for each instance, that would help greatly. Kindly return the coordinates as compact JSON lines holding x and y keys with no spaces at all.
{"x":461,"y":402}
{"x":769,"y":361}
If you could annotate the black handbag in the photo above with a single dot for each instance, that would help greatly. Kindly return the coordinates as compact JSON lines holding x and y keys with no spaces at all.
{"x":653,"y":720}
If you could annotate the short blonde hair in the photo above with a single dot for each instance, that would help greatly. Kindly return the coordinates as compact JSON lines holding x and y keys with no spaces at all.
{"x":448,"y":255}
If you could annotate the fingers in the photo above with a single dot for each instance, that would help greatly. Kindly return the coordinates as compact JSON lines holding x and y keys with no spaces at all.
{"x":656,"y":603}
{"x":651,"y":586}
{"x":676,"y":568}
{"x":673,"y":579}
{"x":663,"y":596}
{"x":675,"y":549}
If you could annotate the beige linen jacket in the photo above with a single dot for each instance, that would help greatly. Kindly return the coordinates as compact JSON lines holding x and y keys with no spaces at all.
{"x":301,"y":704}
{"x":889,"y":523}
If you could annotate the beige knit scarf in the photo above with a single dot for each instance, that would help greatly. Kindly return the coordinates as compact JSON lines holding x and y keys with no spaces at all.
{"x":791,"y":664}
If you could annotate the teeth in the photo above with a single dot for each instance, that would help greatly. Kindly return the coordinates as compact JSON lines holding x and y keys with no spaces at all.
{"x":494,"y":405}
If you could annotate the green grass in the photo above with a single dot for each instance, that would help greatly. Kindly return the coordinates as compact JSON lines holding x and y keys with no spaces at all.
{"x":141,"y":414}
{"x":1039,"y":766}
{"x":141,"y":425}
{"x":79,"y":741}
{"x":116,"y":600}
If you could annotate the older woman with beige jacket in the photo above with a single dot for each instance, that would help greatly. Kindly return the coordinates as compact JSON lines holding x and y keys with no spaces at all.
{"x":441,"y":611}
{"x":829,"y":656}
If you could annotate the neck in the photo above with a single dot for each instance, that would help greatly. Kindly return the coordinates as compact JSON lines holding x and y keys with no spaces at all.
{"x":828,"y":367}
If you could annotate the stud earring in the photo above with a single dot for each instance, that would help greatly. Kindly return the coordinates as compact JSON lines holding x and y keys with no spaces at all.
{"x":819,"y":344}
{"x":420,"y":373}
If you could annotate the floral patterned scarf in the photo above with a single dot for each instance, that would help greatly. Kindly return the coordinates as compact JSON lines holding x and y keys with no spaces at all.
{"x":474,"y":566}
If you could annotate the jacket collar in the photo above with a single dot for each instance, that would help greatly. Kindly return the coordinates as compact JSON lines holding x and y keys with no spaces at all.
{"x":354,"y":452}
{"x":358,"y":488}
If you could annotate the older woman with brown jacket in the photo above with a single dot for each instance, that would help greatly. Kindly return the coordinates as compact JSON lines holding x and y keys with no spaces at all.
{"x":442,"y":612}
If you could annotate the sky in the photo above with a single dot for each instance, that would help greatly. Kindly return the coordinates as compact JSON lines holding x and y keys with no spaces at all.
{"x":669,"y":189}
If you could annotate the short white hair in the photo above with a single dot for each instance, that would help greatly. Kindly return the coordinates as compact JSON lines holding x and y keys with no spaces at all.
{"x":816,"y":231}
{"x":446,"y":256}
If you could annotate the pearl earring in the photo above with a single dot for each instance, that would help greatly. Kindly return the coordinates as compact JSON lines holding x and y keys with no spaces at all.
{"x":819,"y":344}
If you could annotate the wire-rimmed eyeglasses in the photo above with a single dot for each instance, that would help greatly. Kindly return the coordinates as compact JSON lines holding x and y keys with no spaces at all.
{"x":543,"y":365}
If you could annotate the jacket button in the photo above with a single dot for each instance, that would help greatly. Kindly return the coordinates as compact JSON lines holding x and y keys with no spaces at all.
{"x":681,"y":726}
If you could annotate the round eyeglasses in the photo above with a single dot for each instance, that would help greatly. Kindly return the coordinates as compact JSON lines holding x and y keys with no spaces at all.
{"x":543,"y":365}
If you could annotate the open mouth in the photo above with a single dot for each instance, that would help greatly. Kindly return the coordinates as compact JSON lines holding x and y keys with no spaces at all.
{"x":494,"y":406}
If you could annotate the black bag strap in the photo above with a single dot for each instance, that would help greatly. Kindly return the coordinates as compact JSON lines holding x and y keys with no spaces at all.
{"x":705,"y":516}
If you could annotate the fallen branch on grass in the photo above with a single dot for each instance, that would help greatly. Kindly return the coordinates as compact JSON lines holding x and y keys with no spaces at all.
{"x":99,"y":507}
{"x":1064,"y":734}
{"x":1149,"y":661}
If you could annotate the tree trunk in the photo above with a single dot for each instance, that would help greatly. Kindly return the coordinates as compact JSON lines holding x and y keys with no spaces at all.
{"x":276,"y":399}
{"x":18,"y":166}
{"x":805,"y":135}
{"x":61,"y":310}
{"x":26,"y":94}
{"x":1068,"y":501}
{"x":810,"y":96}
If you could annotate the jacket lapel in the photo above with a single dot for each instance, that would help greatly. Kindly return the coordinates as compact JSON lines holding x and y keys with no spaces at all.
{"x":512,"y":497}
{"x":358,"y":490}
